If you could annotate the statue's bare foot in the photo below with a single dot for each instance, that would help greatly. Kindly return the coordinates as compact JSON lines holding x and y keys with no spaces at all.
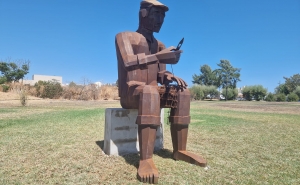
{"x":147,"y":171}
{"x":189,"y":157}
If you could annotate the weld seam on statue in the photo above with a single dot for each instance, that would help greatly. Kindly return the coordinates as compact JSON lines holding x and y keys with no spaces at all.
{"x":180,"y":119}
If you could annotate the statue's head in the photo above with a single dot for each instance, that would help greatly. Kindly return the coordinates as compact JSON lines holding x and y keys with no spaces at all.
{"x":152,"y":14}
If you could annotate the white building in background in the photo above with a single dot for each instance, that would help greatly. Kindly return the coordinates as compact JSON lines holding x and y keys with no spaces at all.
{"x":98,"y":84}
{"x":36,"y":78}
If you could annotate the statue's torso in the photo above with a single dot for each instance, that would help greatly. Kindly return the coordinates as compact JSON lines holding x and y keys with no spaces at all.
{"x":142,"y":76}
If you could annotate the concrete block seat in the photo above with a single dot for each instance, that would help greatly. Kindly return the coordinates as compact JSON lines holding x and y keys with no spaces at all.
{"x":121,"y":132}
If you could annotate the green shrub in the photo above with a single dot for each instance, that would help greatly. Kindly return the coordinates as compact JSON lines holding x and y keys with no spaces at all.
{"x":48,"y":89}
{"x":282,"y":88}
{"x":258,"y":92}
{"x":231,"y":93}
{"x":5,"y":87}
{"x":247,"y":93}
{"x":200,"y":92}
{"x":197,"y":92}
{"x":270,"y":97}
{"x":3,"y":79}
{"x":210,"y":91}
{"x":292,"y":97}
{"x":297,"y":91}
{"x":280,"y":97}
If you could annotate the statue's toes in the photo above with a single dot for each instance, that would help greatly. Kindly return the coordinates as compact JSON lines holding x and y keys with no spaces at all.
{"x":151,"y":178}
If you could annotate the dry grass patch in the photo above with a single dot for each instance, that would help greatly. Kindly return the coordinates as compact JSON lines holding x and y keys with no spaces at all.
{"x":254,"y":106}
{"x":61,"y":144}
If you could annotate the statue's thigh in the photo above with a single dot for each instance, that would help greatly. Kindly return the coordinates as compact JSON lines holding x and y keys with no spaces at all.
{"x":149,"y":106}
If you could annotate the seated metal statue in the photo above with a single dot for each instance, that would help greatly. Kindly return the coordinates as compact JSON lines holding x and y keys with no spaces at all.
{"x":141,"y":66}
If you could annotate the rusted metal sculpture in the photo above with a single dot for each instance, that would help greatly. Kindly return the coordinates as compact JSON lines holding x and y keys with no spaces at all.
{"x":141,"y":66}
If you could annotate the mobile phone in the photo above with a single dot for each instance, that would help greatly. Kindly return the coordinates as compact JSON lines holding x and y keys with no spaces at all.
{"x":179,"y":44}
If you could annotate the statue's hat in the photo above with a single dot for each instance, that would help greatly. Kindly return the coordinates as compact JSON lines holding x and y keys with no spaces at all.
{"x":146,"y":3}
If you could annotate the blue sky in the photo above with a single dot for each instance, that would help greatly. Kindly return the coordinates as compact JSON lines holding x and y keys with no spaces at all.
{"x":75,"y":39}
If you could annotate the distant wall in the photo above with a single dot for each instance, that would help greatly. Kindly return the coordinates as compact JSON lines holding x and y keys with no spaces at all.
{"x":36,"y":78}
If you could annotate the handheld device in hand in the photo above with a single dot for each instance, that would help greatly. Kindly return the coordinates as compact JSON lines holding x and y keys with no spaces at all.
{"x":179,"y":45}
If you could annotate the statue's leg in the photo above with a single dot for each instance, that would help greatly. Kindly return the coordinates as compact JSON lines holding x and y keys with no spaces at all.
{"x":147,"y":172}
{"x":180,"y":119}
{"x":148,"y":121}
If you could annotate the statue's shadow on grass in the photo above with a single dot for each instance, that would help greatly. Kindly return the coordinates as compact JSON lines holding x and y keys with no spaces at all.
{"x":133,"y":159}
{"x":100,"y":144}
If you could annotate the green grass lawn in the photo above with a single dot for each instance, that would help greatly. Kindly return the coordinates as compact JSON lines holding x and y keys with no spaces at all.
{"x":59,"y":142}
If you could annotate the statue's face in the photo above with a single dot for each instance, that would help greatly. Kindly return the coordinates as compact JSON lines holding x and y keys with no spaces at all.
{"x":154,"y":20}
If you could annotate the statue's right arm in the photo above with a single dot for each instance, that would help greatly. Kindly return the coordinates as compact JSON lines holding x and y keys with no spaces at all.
{"x":131,"y":60}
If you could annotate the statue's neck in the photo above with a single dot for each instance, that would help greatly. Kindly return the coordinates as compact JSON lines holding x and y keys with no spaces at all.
{"x":146,"y":33}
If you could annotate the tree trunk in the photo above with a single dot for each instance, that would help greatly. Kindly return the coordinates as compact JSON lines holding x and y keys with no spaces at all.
{"x":226,"y":94}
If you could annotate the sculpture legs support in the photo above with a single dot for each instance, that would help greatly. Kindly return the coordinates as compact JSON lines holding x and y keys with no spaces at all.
{"x":179,"y":134}
{"x":148,"y":121}
{"x":147,"y":172}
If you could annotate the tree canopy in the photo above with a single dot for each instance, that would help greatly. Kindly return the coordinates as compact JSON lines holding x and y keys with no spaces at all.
{"x":281,"y":88}
{"x":289,"y":86}
{"x":229,"y":76}
{"x":11,"y":72}
{"x":257,"y":92}
{"x":226,"y":76}
{"x":207,"y":77}
{"x":292,"y":82}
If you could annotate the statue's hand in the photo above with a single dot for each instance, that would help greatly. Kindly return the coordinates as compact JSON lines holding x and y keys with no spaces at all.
{"x":169,"y":56}
{"x":169,"y":77}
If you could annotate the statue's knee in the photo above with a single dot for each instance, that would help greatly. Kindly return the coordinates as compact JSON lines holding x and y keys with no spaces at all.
{"x":184,"y":96}
{"x":185,"y":92}
{"x":149,"y":89}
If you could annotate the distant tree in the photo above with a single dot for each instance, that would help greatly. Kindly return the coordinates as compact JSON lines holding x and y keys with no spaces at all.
{"x":292,"y":82}
{"x":292,"y":97}
{"x":3,"y":79}
{"x":270,"y":97}
{"x":297,"y":91}
{"x":257,"y":92}
{"x":72,"y":84}
{"x":211,"y":91}
{"x":197,"y":92}
{"x":231,"y":93}
{"x":206,"y":77}
{"x":200,"y":92}
{"x":12,"y":72}
{"x":247,"y":93}
{"x":280,"y":97}
{"x":281,"y":89}
{"x":228,"y":75}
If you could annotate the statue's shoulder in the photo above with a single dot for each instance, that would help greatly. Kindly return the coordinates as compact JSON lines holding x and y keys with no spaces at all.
{"x":129,"y":36}
{"x":129,"y":33}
